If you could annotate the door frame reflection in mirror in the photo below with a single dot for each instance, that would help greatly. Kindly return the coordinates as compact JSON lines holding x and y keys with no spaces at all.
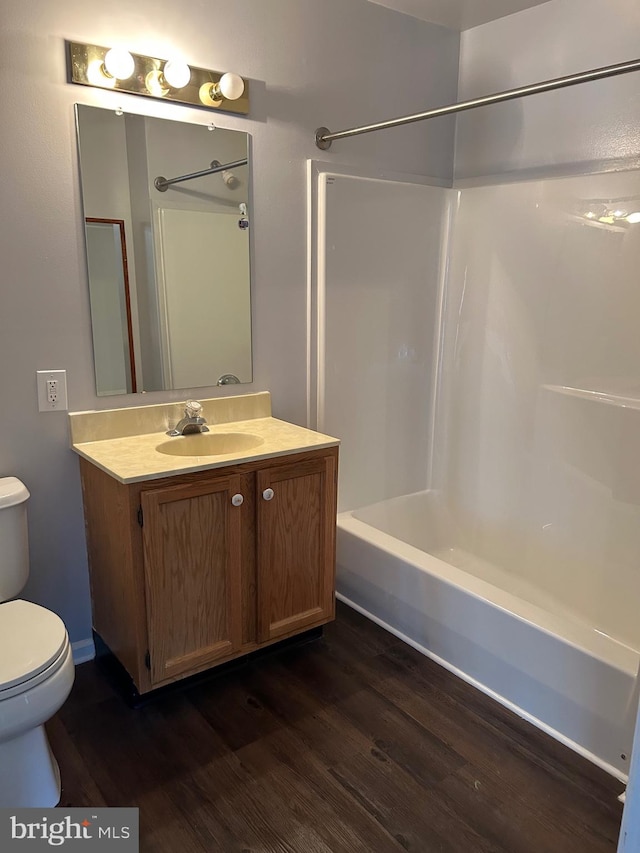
{"x":111,"y":322}
{"x":189,"y":304}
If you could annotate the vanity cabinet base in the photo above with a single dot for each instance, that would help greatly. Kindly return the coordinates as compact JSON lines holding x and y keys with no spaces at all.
{"x":125,"y":686}
{"x":198,"y":570}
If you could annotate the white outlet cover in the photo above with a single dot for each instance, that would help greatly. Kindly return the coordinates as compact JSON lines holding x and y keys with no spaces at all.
{"x":44,"y":404}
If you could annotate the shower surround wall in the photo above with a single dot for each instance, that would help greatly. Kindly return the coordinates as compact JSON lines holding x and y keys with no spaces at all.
{"x":514,"y":561}
{"x":538,"y":449}
{"x":592,"y":126}
{"x":533,"y":508}
{"x":380,"y":245}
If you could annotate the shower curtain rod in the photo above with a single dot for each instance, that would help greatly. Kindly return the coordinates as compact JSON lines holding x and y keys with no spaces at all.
{"x":324,"y":137}
{"x":163,"y":184}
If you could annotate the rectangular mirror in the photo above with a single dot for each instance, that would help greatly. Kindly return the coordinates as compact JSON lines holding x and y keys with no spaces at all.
{"x":167,"y":260}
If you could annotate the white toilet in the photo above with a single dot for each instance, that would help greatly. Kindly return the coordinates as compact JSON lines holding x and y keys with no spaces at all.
{"x":36,"y":668}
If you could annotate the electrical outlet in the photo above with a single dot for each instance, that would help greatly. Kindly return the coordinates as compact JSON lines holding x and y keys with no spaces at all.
{"x":52,"y":390}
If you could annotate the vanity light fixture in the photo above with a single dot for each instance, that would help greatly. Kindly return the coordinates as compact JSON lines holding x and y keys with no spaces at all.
{"x":612,"y":213}
{"x":172,"y":80}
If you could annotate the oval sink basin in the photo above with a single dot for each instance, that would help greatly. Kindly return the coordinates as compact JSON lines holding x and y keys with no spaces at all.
{"x":209,"y":444}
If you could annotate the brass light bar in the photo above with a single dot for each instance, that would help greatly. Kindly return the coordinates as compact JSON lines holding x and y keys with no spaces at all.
{"x":86,"y":66}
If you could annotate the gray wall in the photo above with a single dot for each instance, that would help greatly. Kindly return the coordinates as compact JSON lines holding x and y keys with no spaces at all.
{"x":333,"y":62}
{"x":583,"y":127}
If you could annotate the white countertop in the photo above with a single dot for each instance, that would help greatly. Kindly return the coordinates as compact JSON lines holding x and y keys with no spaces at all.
{"x":134,"y":458}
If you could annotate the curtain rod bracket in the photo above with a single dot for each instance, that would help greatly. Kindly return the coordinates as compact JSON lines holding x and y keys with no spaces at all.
{"x":321,"y":142}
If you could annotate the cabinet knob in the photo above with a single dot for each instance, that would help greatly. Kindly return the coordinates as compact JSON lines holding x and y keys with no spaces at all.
{"x":237,"y":500}
{"x":267,"y":494}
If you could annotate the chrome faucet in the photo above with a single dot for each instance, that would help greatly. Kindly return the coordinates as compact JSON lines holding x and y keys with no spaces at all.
{"x":192,"y":420}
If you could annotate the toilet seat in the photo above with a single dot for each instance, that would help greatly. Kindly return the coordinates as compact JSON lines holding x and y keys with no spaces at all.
{"x":33,"y":644}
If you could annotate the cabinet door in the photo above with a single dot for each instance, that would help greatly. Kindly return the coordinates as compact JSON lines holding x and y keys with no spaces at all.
{"x":192,"y":536}
{"x":296,"y":546}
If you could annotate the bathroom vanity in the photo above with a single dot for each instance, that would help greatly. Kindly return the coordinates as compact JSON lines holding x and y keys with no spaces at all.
{"x":198,"y":559}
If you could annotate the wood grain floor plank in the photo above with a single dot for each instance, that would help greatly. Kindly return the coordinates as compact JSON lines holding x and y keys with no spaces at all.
{"x":478,"y":741}
{"x":413,"y":815}
{"x":412,"y":746}
{"x":225,"y":818}
{"x":352,"y":631}
{"x":78,"y":785}
{"x":503,"y":812}
{"x":536,"y":746}
{"x":300,"y":754}
{"x":318,"y":725}
{"x":354,"y":743}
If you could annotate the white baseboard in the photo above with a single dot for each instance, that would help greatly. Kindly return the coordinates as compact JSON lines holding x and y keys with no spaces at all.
{"x":83,"y":651}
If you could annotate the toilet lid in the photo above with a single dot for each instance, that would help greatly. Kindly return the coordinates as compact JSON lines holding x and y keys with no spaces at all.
{"x":31,"y":638}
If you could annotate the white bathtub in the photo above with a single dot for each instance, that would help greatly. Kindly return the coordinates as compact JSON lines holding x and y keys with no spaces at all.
{"x":493,"y":629}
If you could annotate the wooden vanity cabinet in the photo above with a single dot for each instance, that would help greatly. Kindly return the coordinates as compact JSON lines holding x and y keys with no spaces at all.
{"x":191,"y":538}
{"x":193,"y":570}
{"x":296,"y":518}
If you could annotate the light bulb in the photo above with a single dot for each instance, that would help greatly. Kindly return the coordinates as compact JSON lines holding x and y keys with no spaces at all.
{"x":231,"y":86}
{"x":156,"y":84}
{"x":634,"y":218}
{"x":119,"y":63}
{"x":176,"y":73}
{"x":96,"y":75}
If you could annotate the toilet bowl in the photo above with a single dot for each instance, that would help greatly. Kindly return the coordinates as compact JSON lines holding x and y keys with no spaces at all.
{"x":36,"y":671}
{"x":35,"y":679}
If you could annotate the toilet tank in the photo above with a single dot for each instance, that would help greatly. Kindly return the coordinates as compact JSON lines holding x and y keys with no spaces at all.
{"x":14,"y":544}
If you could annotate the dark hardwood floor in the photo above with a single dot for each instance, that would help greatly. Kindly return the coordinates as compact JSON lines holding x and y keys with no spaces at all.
{"x":353,"y":743}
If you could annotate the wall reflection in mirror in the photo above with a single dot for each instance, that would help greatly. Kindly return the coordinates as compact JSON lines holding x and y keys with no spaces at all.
{"x":168,"y":263}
